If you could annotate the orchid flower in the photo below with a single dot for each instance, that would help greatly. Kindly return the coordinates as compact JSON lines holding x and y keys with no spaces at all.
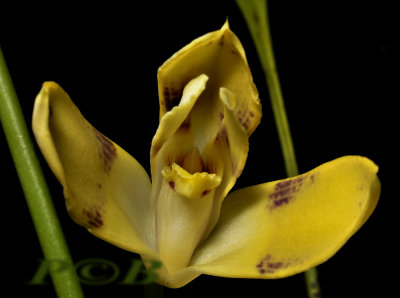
{"x":184,"y":217}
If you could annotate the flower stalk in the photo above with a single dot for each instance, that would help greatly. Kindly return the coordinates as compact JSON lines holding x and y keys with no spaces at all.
{"x":36,"y":192}
{"x":255,"y":13}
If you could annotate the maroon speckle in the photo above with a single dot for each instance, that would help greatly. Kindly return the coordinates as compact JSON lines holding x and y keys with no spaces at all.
{"x":266,"y":265}
{"x":206,"y":192}
{"x":285,"y":191}
{"x":108,"y":150}
{"x":172,"y":95}
{"x":285,"y":200}
{"x":275,"y":265}
{"x":283,"y":184}
{"x":171,"y":184}
{"x":280,"y":193}
{"x":244,"y":118}
{"x":221,"y":41}
{"x":209,"y":168}
{"x":94,"y":218}
{"x":171,"y":98}
{"x":185,"y":125}
{"x":222,"y":135}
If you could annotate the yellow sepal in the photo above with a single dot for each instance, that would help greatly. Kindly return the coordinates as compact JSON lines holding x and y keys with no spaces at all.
{"x":106,"y":190}
{"x":281,"y":228}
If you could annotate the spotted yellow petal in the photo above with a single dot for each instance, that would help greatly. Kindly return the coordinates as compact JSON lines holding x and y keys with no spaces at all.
{"x":281,"y":228}
{"x":182,"y":194}
{"x":174,"y":137}
{"x":225,"y":113}
{"x":230,"y":147}
{"x":106,"y":190}
{"x":221,"y":57}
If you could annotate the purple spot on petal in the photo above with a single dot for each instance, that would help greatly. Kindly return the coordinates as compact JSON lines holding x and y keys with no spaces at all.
{"x":221,"y":41}
{"x":94,"y":218}
{"x":222,"y":135}
{"x":108,"y":150}
{"x":280,"y":202}
{"x":172,"y":184}
{"x":206,"y":192}
{"x":267,"y":265}
{"x":285,"y":191}
{"x":185,"y":125}
{"x":171,"y":98}
{"x":275,"y":265}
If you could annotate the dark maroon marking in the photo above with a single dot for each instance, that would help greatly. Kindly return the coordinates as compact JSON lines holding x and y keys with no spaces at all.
{"x":221,"y":40}
{"x":185,"y":125}
{"x":244,"y":118}
{"x":266,"y":265}
{"x":283,"y":184}
{"x":209,"y":168}
{"x":222,"y":135}
{"x":280,"y":202}
{"x":94,"y":218}
{"x":206,"y":192}
{"x":99,"y":186}
{"x":172,"y":184}
{"x":172,"y":97}
{"x":285,"y":191}
{"x":279,"y":193}
{"x":275,"y":265}
{"x":108,"y":150}
{"x":251,"y":114}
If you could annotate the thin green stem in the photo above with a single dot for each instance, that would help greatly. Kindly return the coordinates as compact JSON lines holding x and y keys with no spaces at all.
{"x":313,"y":289}
{"x":37,"y":195}
{"x":255,"y":13}
{"x":256,"y":16}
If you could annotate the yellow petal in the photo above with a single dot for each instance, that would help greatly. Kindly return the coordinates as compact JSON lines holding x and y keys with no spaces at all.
{"x":174,"y":137}
{"x":106,"y":190}
{"x":230,"y":147}
{"x":281,"y":228}
{"x":221,"y":57}
{"x":183,"y":209}
{"x":227,"y":110}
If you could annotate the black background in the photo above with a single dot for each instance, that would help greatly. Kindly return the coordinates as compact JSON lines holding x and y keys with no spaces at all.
{"x":339,"y":68}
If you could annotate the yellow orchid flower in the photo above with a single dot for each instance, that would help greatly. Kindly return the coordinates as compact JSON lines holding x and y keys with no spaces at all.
{"x":185,"y":218}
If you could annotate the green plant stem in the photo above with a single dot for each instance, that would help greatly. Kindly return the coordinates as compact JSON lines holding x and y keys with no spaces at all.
{"x":311,"y":277}
{"x":255,"y":13}
{"x":256,"y":16}
{"x":37,"y":195}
